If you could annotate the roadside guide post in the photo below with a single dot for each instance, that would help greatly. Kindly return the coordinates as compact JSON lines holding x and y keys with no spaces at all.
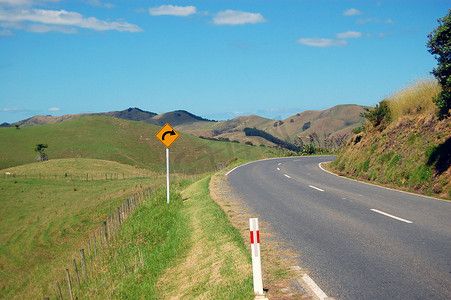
{"x":167,"y":135}
{"x":256,"y":258}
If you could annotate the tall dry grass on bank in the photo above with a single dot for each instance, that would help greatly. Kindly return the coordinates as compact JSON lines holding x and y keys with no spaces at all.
{"x":415,"y":98}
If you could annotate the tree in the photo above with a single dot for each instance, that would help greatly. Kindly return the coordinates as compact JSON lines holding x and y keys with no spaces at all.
{"x":40,"y":148}
{"x":439,"y":45}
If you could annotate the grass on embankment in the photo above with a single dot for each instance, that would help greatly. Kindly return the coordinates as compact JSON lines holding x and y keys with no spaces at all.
{"x":43,"y":221}
{"x":408,"y":149}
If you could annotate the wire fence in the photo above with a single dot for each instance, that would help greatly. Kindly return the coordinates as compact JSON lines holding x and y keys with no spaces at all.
{"x":88,"y":258}
{"x":83,"y":176}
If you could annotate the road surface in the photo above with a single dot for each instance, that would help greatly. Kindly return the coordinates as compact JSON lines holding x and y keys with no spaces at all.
{"x":358,"y":241}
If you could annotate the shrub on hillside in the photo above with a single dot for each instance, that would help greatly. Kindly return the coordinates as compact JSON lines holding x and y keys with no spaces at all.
{"x":379,"y":114}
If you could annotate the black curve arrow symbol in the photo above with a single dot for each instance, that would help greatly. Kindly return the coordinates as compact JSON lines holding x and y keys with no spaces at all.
{"x":170,"y":132}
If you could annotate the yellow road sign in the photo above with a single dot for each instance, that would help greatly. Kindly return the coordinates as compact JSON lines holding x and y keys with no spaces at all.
{"x":167,"y":135}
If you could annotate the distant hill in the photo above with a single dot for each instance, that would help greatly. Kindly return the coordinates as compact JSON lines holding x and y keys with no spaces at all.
{"x":176,"y":118}
{"x":340,"y":120}
{"x":132,"y":114}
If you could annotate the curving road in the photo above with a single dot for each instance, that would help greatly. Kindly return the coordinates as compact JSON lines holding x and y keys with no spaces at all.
{"x":358,"y":241}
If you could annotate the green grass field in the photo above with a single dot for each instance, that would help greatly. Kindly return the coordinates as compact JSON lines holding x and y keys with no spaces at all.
{"x":44,"y":220}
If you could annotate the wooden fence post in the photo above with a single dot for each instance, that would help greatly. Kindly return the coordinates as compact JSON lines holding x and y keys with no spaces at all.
{"x":95,"y":248}
{"x":105,"y":234}
{"x":83,"y":264}
{"x":69,"y":286}
{"x":76,"y":274}
{"x":100,"y":240}
{"x":58,"y":288}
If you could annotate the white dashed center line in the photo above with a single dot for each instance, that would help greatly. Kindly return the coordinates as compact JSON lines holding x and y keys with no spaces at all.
{"x":318,"y":189}
{"x":391,"y":216}
{"x":287,"y":176}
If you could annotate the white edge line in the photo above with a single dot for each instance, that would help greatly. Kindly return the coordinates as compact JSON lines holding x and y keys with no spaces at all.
{"x":391,"y":216}
{"x":314,"y":287}
{"x":379,"y":186}
{"x":318,"y":189}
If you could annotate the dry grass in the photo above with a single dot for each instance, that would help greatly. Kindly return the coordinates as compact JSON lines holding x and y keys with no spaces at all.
{"x":415,"y":98}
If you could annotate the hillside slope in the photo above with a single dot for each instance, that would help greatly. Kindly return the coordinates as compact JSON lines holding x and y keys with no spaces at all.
{"x":128,"y":142}
{"x":409,"y":149}
{"x":340,"y":119}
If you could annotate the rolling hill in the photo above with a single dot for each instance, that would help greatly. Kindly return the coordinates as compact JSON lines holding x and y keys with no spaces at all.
{"x":128,"y":142}
{"x":338,"y":120}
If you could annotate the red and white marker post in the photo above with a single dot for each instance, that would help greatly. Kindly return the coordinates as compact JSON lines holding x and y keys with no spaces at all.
{"x":256,"y":258}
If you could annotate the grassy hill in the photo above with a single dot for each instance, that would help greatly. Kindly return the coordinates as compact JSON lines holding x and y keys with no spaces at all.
{"x":127,"y":142}
{"x":409,"y":148}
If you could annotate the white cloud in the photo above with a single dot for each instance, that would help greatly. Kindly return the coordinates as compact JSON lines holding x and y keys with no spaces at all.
{"x":54,"y":109}
{"x":349,"y":35}
{"x":40,"y":28}
{"x":172,"y":10}
{"x":100,"y":4}
{"x":234,"y":17}
{"x":321,"y":42}
{"x":15,"y":2}
{"x":24,"y":2}
{"x":352,"y":12}
{"x":14,"y":19}
{"x":5,"y":32}
{"x":11,"y":109}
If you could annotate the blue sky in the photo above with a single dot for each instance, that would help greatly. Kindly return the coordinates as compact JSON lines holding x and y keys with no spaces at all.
{"x":216,"y":59}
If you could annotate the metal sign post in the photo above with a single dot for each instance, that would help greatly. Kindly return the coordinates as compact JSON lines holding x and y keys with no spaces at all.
{"x":167,"y":135}
{"x":167,"y":175}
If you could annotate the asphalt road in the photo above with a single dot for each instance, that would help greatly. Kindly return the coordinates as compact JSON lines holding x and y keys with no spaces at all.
{"x":358,"y":241}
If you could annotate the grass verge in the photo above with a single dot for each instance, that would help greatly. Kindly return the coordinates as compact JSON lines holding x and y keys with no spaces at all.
{"x":217,"y":264}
